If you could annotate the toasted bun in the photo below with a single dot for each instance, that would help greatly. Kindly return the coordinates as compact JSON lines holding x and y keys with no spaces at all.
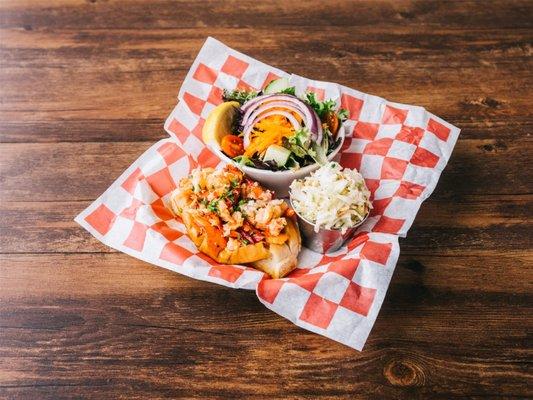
{"x":283,"y":257}
{"x":244,"y":255}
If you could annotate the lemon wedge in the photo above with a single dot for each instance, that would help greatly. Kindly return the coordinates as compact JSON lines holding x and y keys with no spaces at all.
{"x":219,"y":122}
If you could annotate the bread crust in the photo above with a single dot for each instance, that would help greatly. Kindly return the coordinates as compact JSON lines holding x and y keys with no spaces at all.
{"x":282,"y":257}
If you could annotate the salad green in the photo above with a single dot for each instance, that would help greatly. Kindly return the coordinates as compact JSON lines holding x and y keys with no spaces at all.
{"x":281,"y":131}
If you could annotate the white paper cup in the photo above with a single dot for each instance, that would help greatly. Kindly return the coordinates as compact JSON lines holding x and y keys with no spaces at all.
{"x":325,"y":240}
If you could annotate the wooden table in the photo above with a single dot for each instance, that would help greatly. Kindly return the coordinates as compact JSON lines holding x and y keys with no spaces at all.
{"x":85,"y":87}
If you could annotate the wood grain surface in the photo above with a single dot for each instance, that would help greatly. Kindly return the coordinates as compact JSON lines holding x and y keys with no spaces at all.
{"x":85,"y":87}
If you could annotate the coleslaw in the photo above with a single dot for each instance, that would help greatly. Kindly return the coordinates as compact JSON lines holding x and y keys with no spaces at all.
{"x":331,"y":198}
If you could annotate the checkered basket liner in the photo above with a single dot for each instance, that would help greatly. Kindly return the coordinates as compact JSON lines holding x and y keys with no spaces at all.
{"x":399,"y":149}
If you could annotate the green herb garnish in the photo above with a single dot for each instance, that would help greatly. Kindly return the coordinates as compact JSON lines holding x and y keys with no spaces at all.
{"x":213,"y":206}
{"x":233,"y":184}
{"x":238,"y":206}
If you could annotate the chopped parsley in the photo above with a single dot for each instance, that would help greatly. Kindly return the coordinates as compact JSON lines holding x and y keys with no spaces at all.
{"x":234,"y":184}
{"x":228,"y":195}
{"x":213,"y":206}
{"x":238,"y":206}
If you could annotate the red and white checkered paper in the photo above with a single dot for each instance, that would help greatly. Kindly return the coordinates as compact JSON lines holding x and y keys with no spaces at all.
{"x":399,"y":149}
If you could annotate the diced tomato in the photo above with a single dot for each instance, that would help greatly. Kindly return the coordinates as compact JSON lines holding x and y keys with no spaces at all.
{"x":232,"y":145}
{"x":332,"y":122}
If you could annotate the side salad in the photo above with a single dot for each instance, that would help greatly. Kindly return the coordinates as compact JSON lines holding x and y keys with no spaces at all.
{"x":276,"y":130}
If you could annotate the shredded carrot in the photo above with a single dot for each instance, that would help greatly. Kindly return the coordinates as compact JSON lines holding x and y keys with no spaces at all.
{"x":269,"y":130}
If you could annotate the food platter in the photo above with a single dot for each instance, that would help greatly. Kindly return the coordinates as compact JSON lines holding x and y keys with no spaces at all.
{"x":399,"y":151}
{"x":232,"y":219}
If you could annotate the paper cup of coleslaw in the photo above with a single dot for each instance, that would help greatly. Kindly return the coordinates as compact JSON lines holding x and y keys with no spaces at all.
{"x":330,"y":203}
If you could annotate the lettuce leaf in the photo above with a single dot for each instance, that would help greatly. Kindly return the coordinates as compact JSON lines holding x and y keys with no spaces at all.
{"x":290,"y":90}
{"x":244,"y":160}
{"x":241,"y":96}
{"x":323,"y":107}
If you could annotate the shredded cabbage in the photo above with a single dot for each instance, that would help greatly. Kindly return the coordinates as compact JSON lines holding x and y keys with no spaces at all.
{"x":331,"y":197}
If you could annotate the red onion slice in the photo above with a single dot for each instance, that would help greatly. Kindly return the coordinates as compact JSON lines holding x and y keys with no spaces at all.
{"x":255,"y":100}
{"x":250,"y":106}
{"x":317,"y":133}
{"x":269,"y":105}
